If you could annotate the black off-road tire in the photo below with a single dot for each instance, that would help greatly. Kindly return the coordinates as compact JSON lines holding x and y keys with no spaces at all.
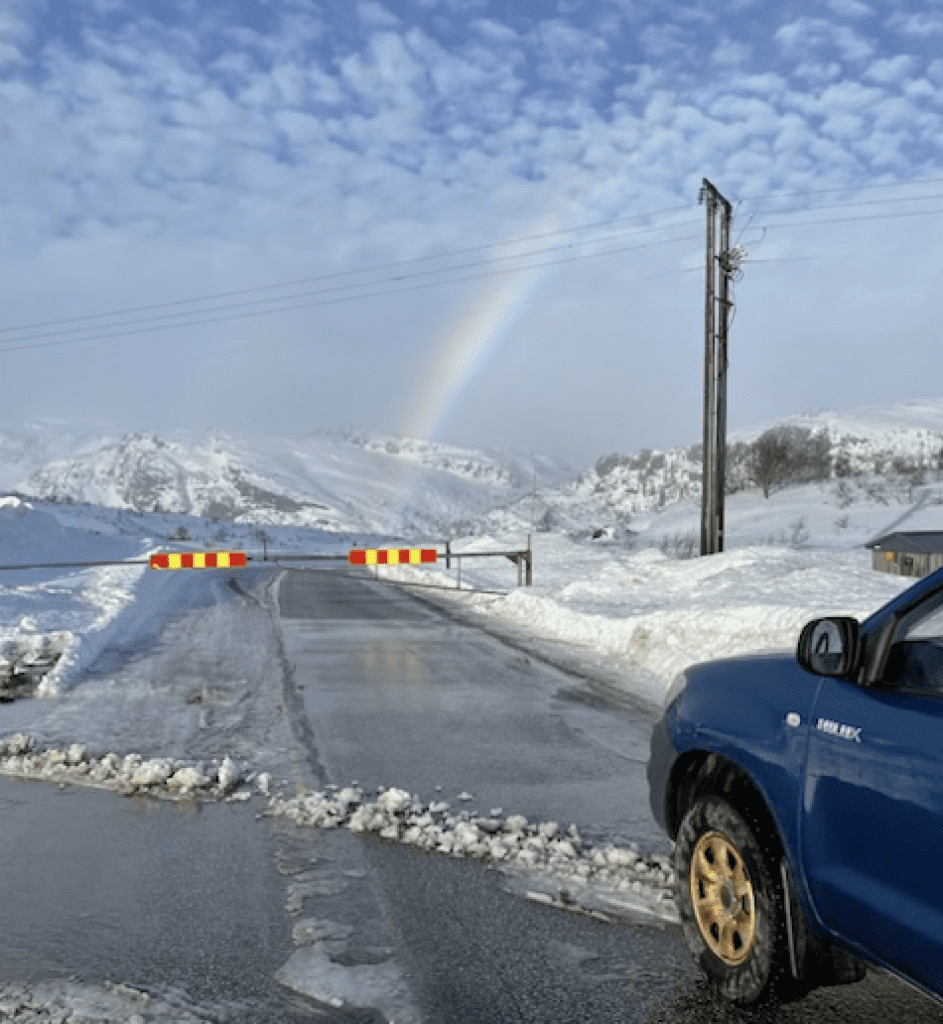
{"x":763,"y":973}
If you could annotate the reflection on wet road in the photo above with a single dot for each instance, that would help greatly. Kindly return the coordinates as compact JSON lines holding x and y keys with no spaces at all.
{"x":398,"y":695}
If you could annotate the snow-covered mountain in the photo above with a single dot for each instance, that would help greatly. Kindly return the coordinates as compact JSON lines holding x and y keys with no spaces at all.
{"x":883,"y":451}
{"x":358,"y":481}
{"x":333,"y":481}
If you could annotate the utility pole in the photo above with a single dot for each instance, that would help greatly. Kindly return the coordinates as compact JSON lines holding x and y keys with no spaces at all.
{"x":720,"y":264}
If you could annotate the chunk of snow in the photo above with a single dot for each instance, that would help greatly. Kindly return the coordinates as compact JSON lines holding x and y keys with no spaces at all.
{"x":76,"y":754}
{"x":188,"y":778}
{"x":393,"y":800}
{"x":150,"y":773}
{"x":228,"y":775}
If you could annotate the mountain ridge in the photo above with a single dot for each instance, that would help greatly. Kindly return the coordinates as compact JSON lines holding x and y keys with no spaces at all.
{"x":355,"y":480}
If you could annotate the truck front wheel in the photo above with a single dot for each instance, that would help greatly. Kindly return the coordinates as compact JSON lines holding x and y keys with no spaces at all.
{"x":729,"y":903}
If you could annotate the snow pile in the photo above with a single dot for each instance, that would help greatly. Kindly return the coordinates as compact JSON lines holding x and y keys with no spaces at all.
{"x":72,"y":1002}
{"x":56,"y":620}
{"x":27,"y":657}
{"x":129,"y":775}
{"x":512,"y":842}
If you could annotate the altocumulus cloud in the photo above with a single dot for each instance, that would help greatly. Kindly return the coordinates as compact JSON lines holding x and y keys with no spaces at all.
{"x":153,"y":152}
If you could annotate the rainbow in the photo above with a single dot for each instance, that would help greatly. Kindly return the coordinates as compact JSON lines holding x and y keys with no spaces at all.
{"x":466,"y":344}
{"x":469,"y":340}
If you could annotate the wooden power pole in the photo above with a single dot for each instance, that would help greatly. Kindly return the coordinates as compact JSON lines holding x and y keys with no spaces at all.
{"x":720,"y":263}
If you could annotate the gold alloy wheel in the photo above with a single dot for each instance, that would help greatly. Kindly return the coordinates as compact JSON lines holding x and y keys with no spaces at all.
{"x":722,"y":897}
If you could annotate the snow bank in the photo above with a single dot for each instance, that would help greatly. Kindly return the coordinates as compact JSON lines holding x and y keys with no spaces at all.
{"x":513,"y":842}
{"x":129,"y":775}
{"x":59,"y":619}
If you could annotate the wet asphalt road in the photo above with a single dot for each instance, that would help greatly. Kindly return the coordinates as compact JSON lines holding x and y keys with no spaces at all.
{"x":394,"y":694}
{"x":399,"y":695}
{"x":379,"y":688}
{"x":148,"y":893}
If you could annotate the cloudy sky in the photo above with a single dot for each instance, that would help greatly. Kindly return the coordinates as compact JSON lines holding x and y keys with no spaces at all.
{"x":472,"y":220}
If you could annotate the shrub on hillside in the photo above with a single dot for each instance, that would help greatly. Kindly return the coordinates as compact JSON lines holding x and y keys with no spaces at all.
{"x":789,"y":454}
{"x":608,"y":463}
{"x":681,"y":545}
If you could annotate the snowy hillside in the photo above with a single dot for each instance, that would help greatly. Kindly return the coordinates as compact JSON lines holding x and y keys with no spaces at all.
{"x":335,"y":482}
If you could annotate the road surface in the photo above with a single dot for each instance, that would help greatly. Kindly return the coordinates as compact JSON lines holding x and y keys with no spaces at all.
{"x":249,"y":919}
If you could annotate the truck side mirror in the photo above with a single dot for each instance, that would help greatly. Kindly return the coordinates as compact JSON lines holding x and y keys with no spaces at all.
{"x":829,"y":647}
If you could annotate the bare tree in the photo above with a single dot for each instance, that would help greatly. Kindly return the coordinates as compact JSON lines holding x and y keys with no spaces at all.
{"x":810,"y":455}
{"x":769,"y":463}
{"x":789,"y":454}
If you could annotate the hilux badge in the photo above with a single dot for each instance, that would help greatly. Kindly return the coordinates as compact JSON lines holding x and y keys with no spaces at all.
{"x":846,"y":732}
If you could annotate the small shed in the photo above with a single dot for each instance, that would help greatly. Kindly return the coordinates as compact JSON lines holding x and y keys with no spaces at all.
{"x":908,"y":553}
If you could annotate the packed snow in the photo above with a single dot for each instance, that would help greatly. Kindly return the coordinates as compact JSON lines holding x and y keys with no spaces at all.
{"x":511,"y":842}
{"x":129,"y":774}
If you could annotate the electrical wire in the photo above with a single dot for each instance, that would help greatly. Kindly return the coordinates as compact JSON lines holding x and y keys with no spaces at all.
{"x":322,"y":291}
{"x":347,"y":273}
{"x":844,"y":206}
{"x":861,"y":202}
{"x":185,"y":317}
{"x":844,"y":188}
{"x":853,"y":220}
{"x":277,"y":304}
{"x":794,"y":259}
{"x":229,"y":350}
{"x":341,"y":298}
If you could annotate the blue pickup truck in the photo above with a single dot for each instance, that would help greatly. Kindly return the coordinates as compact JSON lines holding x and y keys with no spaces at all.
{"x":804,"y":796}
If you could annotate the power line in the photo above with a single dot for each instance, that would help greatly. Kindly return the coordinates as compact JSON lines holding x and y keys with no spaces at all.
{"x":346,"y":273}
{"x":248,"y":348}
{"x":860,"y":202}
{"x":441,"y":256}
{"x":341,"y":298}
{"x":791,"y":259}
{"x":196,"y":317}
{"x":845,"y":188}
{"x":852,"y":220}
{"x":479,"y":248}
{"x":4,"y":344}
